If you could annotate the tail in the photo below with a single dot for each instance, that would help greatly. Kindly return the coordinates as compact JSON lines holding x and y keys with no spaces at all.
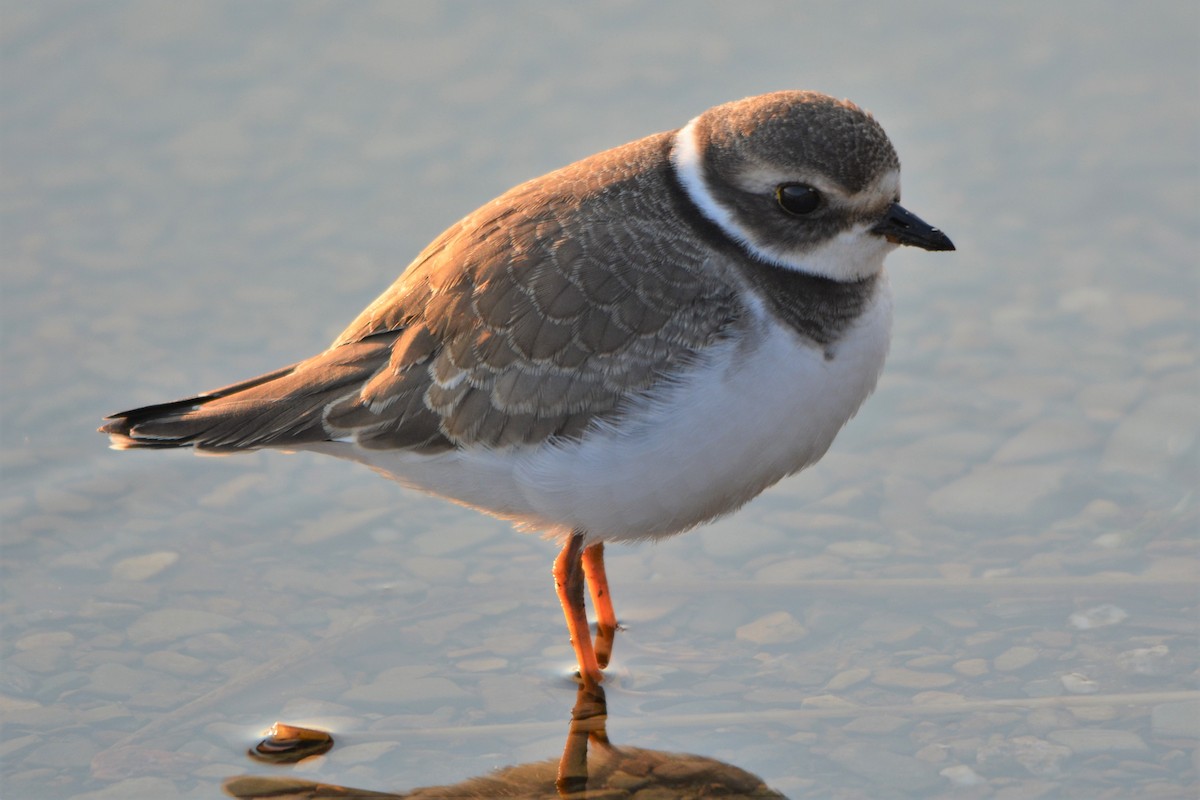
{"x":183,"y":423}
{"x":284,"y":408}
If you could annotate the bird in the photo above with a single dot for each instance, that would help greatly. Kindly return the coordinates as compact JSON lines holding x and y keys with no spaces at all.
{"x":619,"y":350}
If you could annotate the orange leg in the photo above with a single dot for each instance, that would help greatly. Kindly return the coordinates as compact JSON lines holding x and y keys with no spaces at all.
{"x":568,"y":582}
{"x":606,"y":620}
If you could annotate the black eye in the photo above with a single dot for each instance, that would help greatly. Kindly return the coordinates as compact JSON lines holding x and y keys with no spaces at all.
{"x":798,"y":199}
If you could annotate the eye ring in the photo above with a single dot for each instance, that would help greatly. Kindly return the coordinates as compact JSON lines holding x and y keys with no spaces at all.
{"x":797,"y":199}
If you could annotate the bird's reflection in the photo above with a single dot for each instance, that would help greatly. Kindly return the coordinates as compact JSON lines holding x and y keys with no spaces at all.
{"x":589,"y":720}
{"x":590,"y":767}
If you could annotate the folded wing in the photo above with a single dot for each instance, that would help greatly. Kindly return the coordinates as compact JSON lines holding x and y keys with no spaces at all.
{"x":530,"y":319}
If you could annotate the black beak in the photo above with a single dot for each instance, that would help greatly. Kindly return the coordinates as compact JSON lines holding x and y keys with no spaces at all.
{"x":901,"y":226}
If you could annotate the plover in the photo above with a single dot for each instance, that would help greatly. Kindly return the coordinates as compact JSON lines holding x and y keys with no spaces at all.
{"x":621,"y":349}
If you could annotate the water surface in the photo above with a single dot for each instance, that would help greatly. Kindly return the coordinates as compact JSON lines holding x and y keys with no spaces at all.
{"x":986,"y":589}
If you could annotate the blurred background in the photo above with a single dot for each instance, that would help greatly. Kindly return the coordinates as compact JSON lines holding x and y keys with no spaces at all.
{"x":986,"y":589}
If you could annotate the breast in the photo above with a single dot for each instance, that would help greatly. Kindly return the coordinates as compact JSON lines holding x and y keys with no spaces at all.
{"x":757,"y":407}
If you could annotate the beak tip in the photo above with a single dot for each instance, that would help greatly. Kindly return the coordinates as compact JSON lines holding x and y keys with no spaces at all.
{"x":901,"y":226}
{"x":942,"y":242}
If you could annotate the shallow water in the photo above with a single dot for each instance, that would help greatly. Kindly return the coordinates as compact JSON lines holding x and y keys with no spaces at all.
{"x":987,"y":588}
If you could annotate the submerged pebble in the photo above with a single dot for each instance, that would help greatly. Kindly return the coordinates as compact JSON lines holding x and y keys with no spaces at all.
{"x":1098,"y":617}
{"x":1076,"y":683}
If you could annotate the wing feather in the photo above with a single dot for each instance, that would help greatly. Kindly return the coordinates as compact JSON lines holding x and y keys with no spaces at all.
{"x":532,"y":318}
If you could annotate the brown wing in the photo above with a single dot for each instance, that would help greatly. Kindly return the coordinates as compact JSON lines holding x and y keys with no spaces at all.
{"x":538,"y":313}
{"x":529,"y":319}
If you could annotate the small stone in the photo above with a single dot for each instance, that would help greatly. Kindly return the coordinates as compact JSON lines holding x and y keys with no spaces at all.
{"x":169,"y":624}
{"x":1036,"y":756}
{"x":1110,"y":401}
{"x":830,"y":701}
{"x":1043,"y":564}
{"x":1147,"y":662}
{"x":971,"y":667}
{"x":482,"y":664}
{"x":1098,"y":617}
{"x":435,"y":569}
{"x":1042,"y":687}
{"x":1048,"y":719}
{"x":15,"y":745}
{"x":992,"y":491}
{"x":1147,"y":441}
{"x":118,"y":680}
{"x":911,"y":679}
{"x":1075,"y":683}
{"x":1046,"y":437}
{"x":411,"y":686}
{"x":932,"y":754}
{"x":1015,"y":658}
{"x":290,"y":744}
{"x":896,"y":635}
{"x":1053,"y":638}
{"x":1094,"y":713}
{"x":1101,"y":509}
{"x":52,"y":500}
{"x":793,"y":569}
{"x":933,"y":697}
{"x":232,"y":491}
{"x":847,"y":678}
{"x":962,"y":748}
{"x":1088,"y":741}
{"x":775,"y":696}
{"x":961,"y":618}
{"x":216,"y":644}
{"x":42,"y":660}
{"x":899,"y":773}
{"x":775,"y":628}
{"x":105,"y":713}
{"x":932,"y":660}
{"x":509,"y":693}
{"x":1085,"y":298}
{"x":140,"y":568}
{"x":158,"y":788}
{"x":961,"y":775}
{"x":184,"y":666}
{"x":876,"y":724}
{"x":38,"y":641}
{"x":365,"y":753}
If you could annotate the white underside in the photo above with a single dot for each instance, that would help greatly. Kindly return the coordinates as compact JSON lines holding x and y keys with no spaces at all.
{"x":751,"y":412}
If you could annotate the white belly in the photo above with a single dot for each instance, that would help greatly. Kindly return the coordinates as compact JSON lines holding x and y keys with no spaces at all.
{"x":752,"y":411}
